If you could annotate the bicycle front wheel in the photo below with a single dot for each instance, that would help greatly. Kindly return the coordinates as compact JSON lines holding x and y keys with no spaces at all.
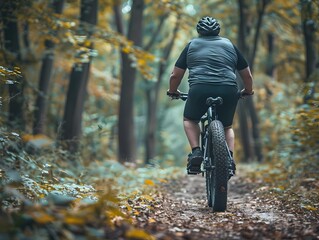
{"x":219,"y":173}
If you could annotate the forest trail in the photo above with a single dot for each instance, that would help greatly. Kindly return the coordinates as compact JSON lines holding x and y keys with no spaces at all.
{"x":182,"y":213}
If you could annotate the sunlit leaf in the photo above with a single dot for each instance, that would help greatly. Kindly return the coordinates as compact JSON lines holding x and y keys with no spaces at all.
{"x":310,"y":208}
{"x":149,"y":182}
{"x":73,"y":220}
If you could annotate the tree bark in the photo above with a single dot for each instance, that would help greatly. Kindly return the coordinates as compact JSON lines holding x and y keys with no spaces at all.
{"x":309,"y":32}
{"x":45,"y":77}
{"x":243,"y":32}
{"x":243,"y":121}
{"x":269,"y":67}
{"x":126,"y":129}
{"x":11,"y":45}
{"x":72,"y":120}
{"x":270,"y":58}
{"x":261,"y":7}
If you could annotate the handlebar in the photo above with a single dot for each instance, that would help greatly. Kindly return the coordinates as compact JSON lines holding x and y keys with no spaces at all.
{"x":183,"y":96}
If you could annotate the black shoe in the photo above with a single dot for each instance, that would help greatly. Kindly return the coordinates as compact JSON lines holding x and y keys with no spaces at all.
{"x":232,"y":168}
{"x":194,"y":162}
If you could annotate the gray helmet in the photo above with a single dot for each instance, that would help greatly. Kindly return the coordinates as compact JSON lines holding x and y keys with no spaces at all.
{"x":208,"y":26}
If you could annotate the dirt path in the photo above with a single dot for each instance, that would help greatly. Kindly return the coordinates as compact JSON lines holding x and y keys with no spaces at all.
{"x":182,"y":214}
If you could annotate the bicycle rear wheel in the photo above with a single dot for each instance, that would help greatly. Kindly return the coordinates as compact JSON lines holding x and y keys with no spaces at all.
{"x":209,"y":187}
{"x":205,"y":143}
{"x":218,"y":177}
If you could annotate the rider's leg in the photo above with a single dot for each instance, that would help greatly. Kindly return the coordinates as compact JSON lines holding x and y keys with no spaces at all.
{"x":192,"y":131}
{"x":230,"y":138}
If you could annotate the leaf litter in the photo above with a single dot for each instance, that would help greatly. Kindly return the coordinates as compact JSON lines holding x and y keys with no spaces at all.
{"x":255,"y":211}
{"x":126,"y":202}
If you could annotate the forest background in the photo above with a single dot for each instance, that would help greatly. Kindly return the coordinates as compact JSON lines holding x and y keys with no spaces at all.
{"x":83,"y":91}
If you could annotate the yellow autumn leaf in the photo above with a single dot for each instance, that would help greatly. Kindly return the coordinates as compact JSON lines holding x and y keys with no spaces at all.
{"x":74,"y":220}
{"x":126,"y":50}
{"x":163,"y":180}
{"x":136,"y":212}
{"x":42,"y":218}
{"x":141,"y":62}
{"x":128,"y":207}
{"x":149,"y":182}
{"x":147,"y":197}
{"x":310,"y":208}
{"x":113,"y":212}
{"x":87,"y":43}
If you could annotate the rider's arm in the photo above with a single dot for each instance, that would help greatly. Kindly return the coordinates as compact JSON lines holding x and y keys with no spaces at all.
{"x":178,"y":71}
{"x":244,"y":72}
{"x":175,"y":79}
{"x":247,"y":79}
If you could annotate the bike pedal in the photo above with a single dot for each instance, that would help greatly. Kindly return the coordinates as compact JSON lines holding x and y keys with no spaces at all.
{"x":193,"y":171}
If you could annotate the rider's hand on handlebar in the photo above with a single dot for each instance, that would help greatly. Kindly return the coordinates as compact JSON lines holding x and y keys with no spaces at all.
{"x":173,"y":95}
{"x":244,"y":93}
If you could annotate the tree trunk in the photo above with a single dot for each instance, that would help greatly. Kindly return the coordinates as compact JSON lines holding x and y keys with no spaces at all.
{"x":45,"y":77}
{"x":126,"y":129}
{"x":152,"y":95}
{"x":11,"y":45}
{"x":270,"y":58}
{"x":243,"y":121}
{"x":309,"y":32}
{"x":72,"y":120}
{"x":261,"y":7}
{"x":243,"y":32}
{"x":269,"y":68}
{"x":253,"y":114}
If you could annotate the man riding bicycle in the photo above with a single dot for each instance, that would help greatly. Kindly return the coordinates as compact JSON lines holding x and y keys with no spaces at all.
{"x":212,"y":62}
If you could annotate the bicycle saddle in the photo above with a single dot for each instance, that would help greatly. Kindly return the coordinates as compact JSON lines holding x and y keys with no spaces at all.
{"x":214,"y":101}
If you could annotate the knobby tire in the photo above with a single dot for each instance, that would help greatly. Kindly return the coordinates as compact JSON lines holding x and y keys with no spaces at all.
{"x":217,"y":179}
{"x":208,"y":188}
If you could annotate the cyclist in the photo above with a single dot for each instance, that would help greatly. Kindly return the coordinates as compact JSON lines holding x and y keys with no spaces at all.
{"x":212,"y":61}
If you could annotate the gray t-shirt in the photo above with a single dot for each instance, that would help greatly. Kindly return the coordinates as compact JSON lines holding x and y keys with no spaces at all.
{"x":211,"y":60}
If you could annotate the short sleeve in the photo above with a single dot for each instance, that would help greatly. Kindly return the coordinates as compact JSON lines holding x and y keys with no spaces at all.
{"x":241,"y":63}
{"x":182,"y":60}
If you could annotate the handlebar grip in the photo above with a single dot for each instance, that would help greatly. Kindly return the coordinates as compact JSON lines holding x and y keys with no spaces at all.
{"x":173,"y":95}
{"x":244,"y":94}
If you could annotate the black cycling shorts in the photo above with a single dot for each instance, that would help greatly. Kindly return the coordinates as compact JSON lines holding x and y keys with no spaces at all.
{"x":196,"y":107}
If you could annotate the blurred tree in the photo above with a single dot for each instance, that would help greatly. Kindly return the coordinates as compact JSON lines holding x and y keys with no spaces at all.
{"x":270,"y":57}
{"x":309,"y":14}
{"x":12,"y":55}
{"x":126,"y":134}
{"x":245,"y":29}
{"x":45,"y":75}
{"x":72,"y":119}
{"x":153,"y":89}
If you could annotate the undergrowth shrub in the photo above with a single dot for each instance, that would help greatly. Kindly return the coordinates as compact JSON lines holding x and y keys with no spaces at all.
{"x":304,"y":150}
{"x":47,"y":196}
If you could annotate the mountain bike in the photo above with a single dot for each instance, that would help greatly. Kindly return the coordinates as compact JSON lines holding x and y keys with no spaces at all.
{"x":217,"y":164}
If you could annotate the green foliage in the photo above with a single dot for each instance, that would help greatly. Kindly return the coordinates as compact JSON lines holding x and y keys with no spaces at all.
{"x":292,"y":149}
{"x":304,"y":149}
